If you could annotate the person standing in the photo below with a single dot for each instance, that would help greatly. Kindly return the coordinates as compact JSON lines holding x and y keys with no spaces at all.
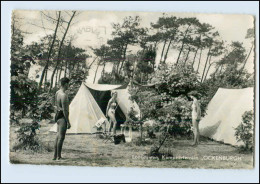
{"x":110,"y":112}
{"x":196,"y":116}
{"x":61,"y":117}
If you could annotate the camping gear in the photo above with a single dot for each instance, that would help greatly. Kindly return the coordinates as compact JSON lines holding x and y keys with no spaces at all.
{"x":100,"y":122}
{"x":224,"y":114}
{"x":119,"y":138}
{"x":89,"y":106}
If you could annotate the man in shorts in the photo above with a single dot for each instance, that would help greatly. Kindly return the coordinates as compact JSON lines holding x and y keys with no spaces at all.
{"x":61,"y":117}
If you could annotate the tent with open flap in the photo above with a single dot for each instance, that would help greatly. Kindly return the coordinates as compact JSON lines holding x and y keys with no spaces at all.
{"x":89,"y":106}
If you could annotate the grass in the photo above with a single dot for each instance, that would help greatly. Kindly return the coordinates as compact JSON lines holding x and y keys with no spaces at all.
{"x":89,"y":150}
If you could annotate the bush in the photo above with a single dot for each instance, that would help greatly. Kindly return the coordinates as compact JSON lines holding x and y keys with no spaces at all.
{"x":42,"y":108}
{"x":245,"y":131}
{"x":45,"y":106}
{"x":173,"y":114}
{"x":27,"y":137}
{"x":23,"y":94}
{"x":167,"y":102}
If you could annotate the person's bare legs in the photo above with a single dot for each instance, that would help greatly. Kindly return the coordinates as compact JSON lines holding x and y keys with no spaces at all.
{"x":125,"y":130}
{"x":110,"y":126}
{"x":61,"y":132}
{"x":114,"y":126}
{"x":130,"y":132}
{"x":112,"y":120}
{"x":56,"y":143}
{"x":195,"y":131}
{"x":198,"y":132}
{"x":56,"y":146}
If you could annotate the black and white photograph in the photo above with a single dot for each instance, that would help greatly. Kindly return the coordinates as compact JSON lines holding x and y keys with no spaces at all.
{"x":133,"y":89}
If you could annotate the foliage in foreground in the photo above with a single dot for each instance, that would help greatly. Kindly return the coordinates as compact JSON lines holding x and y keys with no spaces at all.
{"x":245,"y":131}
{"x":27,"y":138}
{"x":167,"y":102}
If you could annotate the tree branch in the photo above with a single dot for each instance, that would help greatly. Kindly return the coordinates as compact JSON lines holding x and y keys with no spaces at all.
{"x":40,"y":26}
{"x":48,"y":16}
{"x":43,"y":25}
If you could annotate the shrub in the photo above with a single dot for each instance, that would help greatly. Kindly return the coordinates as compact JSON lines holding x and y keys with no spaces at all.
{"x":167,"y":101}
{"x":42,"y":108}
{"x":173,"y":114}
{"x":27,"y":137}
{"x":23,"y":93}
{"x":45,"y":106}
{"x":245,"y":131}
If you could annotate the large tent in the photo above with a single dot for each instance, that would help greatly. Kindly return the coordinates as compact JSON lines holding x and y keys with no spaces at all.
{"x":224,"y":114}
{"x":89,"y":106}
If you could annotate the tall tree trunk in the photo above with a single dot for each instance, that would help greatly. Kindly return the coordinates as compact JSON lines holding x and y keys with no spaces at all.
{"x":66,"y":68}
{"x":78,"y":64}
{"x":195,"y":57}
{"x":96,"y":72}
{"x":123,"y":62}
{"x":92,"y":62}
{"x":50,"y":51}
{"x":196,"y":52}
{"x":60,"y":72}
{"x":199,"y":61}
{"x":72,"y":68}
{"x":214,"y":74}
{"x":210,"y":64}
{"x":247,"y":58}
{"x":59,"y":52}
{"x":220,"y":69}
{"x":205,"y":64}
{"x":163,"y":50}
{"x":155,"y":45}
{"x":187,"y":56}
{"x":104,"y":65}
{"x":119,"y":60}
{"x":46,"y":79}
{"x":117,"y":66}
{"x":183,"y":42}
{"x":166,"y":54}
{"x":67,"y":59}
{"x":56,"y":79}
{"x":123,"y":59}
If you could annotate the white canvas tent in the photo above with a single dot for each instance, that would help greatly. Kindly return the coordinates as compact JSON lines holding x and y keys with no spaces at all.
{"x":84,"y":110}
{"x":224,"y":113}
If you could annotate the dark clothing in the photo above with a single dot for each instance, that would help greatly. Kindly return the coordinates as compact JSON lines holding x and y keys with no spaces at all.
{"x":59,"y":115}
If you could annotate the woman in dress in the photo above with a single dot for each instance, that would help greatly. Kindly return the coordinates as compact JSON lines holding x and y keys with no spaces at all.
{"x":110,"y":113}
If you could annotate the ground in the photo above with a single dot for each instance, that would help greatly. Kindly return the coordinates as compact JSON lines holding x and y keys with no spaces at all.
{"x":89,"y":150}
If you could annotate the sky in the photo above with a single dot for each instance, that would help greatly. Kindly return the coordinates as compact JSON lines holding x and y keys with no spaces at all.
{"x":93,"y":28}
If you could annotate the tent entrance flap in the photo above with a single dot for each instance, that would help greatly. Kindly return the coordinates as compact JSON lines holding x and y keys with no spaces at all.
{"x":102,"y":98}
